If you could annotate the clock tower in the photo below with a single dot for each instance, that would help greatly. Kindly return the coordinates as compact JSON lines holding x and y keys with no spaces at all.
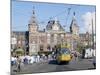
{"x":33,"y":30}
{"x":74,"y":28}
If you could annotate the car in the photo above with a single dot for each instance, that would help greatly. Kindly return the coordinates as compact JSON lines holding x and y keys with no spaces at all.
{"x":63,"y":55}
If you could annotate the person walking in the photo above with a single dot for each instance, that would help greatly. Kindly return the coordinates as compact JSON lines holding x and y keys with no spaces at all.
{"x":75,"y":55}
{"x":38,"y":58}
{"x":25,"y":60}
{"x":94,"y":62}
{"x":12,"y":61}
{"x":18,"y":64}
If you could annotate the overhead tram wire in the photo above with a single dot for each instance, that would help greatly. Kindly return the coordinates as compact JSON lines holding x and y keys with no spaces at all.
{"x":43,"y":22}
{"x":68,"y":13}
{"x":52,"y":17}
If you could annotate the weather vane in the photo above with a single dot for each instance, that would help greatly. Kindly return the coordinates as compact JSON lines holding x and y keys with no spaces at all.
{"x":33,"y":10}
{"x":74,"y":13}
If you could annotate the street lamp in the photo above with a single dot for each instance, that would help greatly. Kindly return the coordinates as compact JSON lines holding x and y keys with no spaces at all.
{"x":92,"y":32}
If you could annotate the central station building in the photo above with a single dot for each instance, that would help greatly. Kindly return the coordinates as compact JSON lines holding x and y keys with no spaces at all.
{"x":54,"y":34}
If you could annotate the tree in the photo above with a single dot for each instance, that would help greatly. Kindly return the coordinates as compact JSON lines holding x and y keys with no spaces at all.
{"x":80,"y":47}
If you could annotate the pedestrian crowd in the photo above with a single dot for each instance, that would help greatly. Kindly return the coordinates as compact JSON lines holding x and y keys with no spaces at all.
{"x":17,"y":61}
{"x":27,"y":59}
{"x":76,"y":55}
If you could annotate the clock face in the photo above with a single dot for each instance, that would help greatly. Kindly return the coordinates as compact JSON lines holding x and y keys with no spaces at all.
{"x":32,"y":28}
{"x":55,"y":27}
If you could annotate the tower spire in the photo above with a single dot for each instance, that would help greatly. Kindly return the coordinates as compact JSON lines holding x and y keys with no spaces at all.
{"x":33,"y":20}
{"x":74,"y":28}
{"x":74,"y":13}
{"x":33,"y":10}
{"x":56,"y":20}
{"x":33,"y":25}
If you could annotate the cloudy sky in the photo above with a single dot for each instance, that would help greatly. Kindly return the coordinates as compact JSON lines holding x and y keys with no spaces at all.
{"x":89,"y":20}
{"x":22,"y":12}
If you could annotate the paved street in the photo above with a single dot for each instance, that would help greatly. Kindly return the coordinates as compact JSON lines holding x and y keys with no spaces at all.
{"x":52,"y":66}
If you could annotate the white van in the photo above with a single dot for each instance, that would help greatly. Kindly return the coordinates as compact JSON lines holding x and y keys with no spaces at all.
{"x":89,"y":53}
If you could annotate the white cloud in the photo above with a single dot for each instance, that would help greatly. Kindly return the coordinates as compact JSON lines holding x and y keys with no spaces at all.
{"x":88,"y":19}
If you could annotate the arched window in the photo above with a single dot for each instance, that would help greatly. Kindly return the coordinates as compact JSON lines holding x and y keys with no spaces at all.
{"x":41,"y":47}
{"x":48,"y":47}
